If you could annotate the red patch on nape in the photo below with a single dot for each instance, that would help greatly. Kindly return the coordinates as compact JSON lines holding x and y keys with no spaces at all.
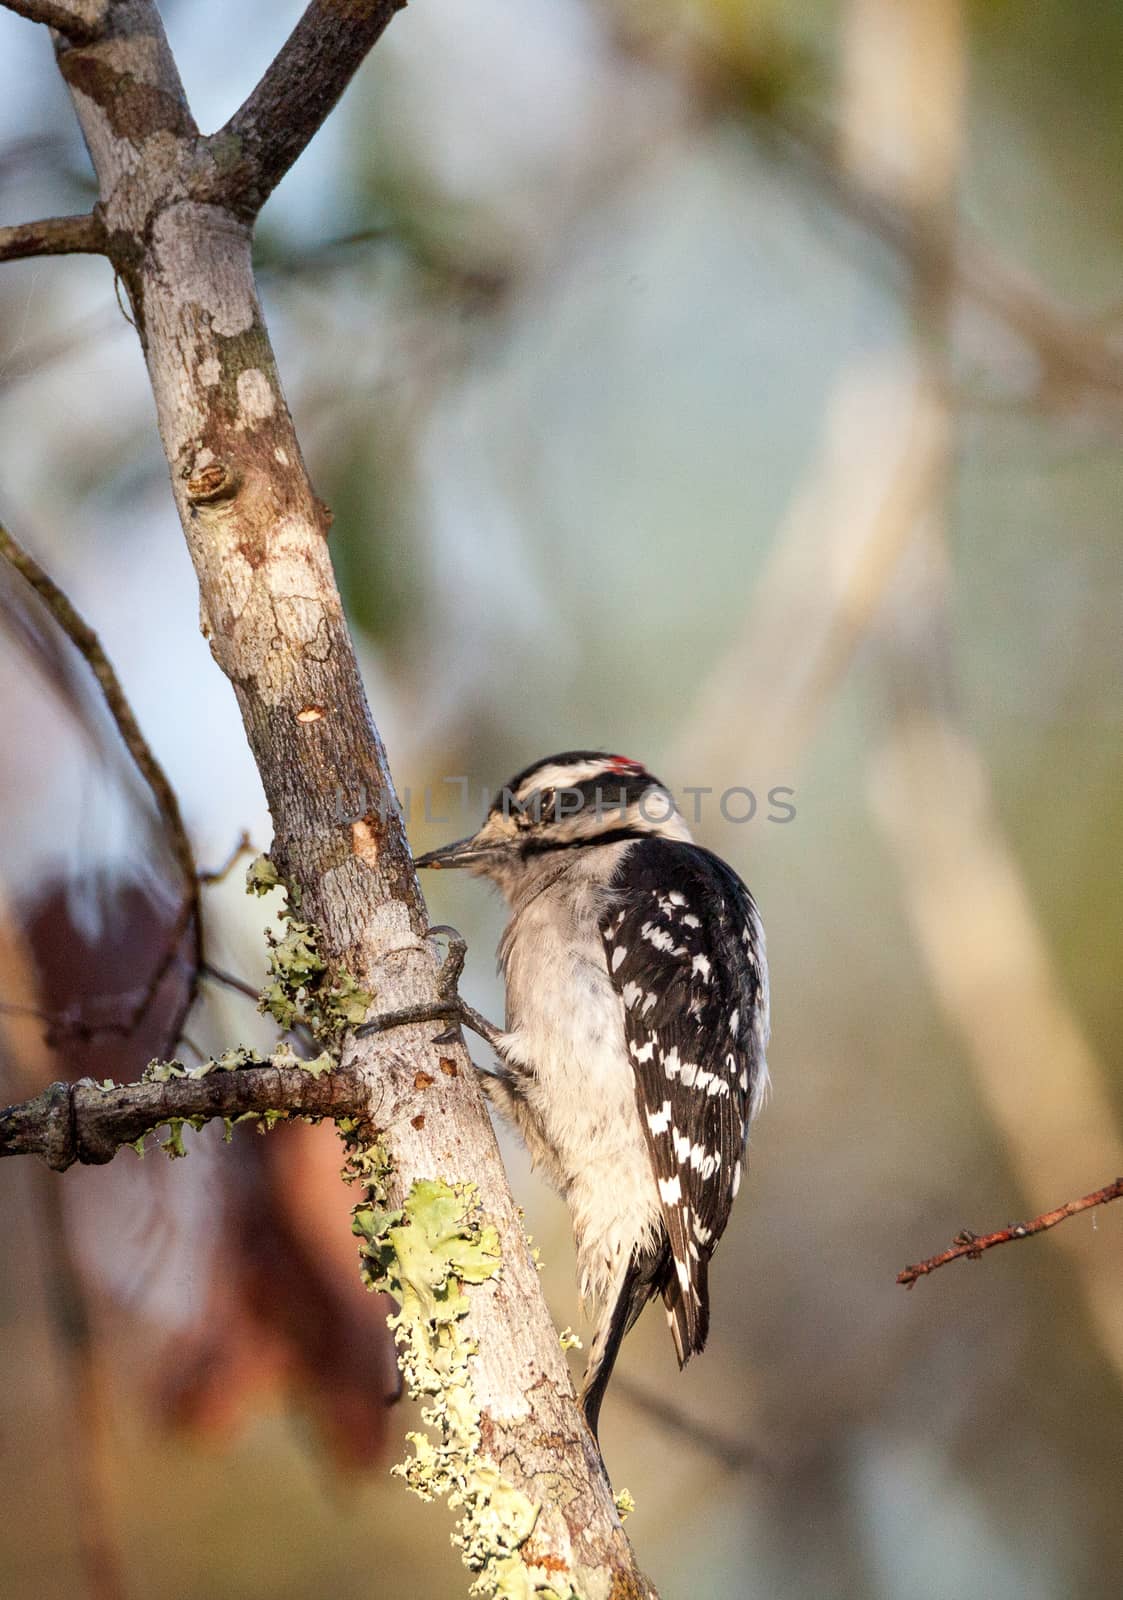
{"x":624,"y":765}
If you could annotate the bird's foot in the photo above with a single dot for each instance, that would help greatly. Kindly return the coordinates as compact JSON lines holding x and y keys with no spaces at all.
{"x":448,"y":1007}
{"x":465,"y":1015}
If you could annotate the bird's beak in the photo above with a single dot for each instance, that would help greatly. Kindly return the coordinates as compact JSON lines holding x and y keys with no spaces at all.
{"x":461,"y":853}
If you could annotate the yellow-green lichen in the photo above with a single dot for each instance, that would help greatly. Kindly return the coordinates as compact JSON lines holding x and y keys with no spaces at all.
{"x":423,"y":1255}
{"x":230,"y":1061}
{"x":625,"y":1503}
{"x":262,"y":876}
{"x":300,"y":989}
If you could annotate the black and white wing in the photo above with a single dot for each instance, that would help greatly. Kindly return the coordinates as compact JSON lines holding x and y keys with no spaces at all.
{"x":685,"y":950}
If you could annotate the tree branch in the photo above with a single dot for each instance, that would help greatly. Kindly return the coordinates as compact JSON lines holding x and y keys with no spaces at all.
{"x":300,"y":88}
{"x":80,"y":20}
{"x":53,"y":236}
{"x":972,"y":1245}
{"x":84,"y":1122}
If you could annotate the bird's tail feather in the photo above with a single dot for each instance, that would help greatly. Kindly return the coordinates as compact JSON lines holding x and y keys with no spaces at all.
{"x":688,"y":1309}
{"x":645,"y":1276}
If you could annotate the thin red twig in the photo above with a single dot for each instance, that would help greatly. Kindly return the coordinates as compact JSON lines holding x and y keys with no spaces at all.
{"x":972,"y":1245}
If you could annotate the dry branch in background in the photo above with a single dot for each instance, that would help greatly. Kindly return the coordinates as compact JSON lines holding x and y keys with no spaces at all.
{"x":177,"y":210}
{"x":190,"y":914}
{"x":972,"y":1245}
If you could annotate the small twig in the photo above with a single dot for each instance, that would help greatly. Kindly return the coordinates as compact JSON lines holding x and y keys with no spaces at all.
{"x":297,"y":92}
{"x":229,"y":980}
{"x":86,"y":641}
{"x":972,"y":1245}
{"x":244,"y":847}
{"x":53,"y":236}
{"x":79,"y":20}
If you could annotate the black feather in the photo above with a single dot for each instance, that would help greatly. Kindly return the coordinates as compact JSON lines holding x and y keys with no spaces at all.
{"x":684,"y":949}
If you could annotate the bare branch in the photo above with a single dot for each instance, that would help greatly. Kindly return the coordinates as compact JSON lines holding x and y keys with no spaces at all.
{"x":972,"y":1245}
{"x":53,"y":236}
{"x":84,"y":1122}
{"x":297,"y":93}
{"x":80,"y":20}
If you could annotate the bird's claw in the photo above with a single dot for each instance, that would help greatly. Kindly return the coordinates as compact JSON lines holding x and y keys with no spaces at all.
{"x":449,"y":1004}
{"x":453,"y":964}
{"x":447,"y":980}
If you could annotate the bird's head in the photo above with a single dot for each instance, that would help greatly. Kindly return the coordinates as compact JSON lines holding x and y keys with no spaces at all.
{"x":576,"y":800}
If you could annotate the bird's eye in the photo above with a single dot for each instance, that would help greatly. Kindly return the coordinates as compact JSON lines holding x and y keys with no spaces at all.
{"x":545,"y":807}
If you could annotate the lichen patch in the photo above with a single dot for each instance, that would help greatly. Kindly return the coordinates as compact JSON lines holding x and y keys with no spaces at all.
{"x":423,"y":1256}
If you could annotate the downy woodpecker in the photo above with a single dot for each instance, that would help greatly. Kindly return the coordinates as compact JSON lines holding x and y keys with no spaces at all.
{"x":633,"y":1058}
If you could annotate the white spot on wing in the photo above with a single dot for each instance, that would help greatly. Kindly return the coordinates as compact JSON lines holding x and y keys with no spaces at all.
{"x":659,"y":1121}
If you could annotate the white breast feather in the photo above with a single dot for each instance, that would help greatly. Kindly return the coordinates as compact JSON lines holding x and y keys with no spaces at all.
{"x":573,"y":1096}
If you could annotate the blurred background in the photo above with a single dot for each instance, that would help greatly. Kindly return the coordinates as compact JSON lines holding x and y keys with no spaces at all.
{"x":738,"y":385}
